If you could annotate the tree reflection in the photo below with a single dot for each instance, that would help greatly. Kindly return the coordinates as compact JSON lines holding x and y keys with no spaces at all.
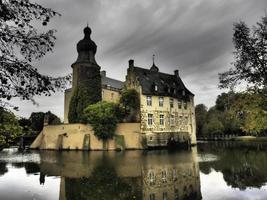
{"x":242,"y":165}
{"x":103,"y":184}
{"x":3,"y":168}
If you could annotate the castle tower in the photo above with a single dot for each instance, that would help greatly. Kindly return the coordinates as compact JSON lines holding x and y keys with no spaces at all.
{"x":86,"y":80}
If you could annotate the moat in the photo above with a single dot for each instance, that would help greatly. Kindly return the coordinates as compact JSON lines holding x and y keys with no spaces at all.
{"x":210,"y":171}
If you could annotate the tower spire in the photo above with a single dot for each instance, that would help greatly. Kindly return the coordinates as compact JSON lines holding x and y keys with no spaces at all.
{"x":153,"y":58}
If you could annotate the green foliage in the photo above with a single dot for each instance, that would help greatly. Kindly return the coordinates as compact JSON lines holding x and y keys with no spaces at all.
{"x":88,"y":92}
{"x":250,"y":56}
{"x":103,"y":116}
{"x":104,"y":183}
{"x":201,"y":115}
{"x":251,"y":107}
{"x":52,"y":118}
{"x":37,"y":120}
{"x":20,"y":44}
{"x":239,"y":113}
{"x":26,"y":125}
{"x":9,"y":127}
{"x":213,"y":127}
{"x":130,"y":104}
{"x":130,"y":99}
{"x":72,"y":115}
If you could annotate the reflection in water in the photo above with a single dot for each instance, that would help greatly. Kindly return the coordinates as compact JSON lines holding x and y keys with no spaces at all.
{"x":126,"y":175}
{"x":243,"y":165}
{"x":233,"y":171}
{"x":3,"y":168}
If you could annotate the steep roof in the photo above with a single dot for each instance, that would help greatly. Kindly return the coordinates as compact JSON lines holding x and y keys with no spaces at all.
{"x":110,"y":82}
{"x":166,"y":84}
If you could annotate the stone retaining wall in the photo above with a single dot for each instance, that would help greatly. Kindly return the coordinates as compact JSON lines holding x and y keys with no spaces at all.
{"x":81,"y":137}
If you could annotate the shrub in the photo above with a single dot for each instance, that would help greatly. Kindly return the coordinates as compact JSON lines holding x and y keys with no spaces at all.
{"x":103,"y":116}
{"x":129,"y":100}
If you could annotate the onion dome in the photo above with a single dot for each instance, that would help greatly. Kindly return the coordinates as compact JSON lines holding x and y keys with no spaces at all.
{"x":86,"y":47}
{"x":86,"y":44}
{"x":154,"y":68}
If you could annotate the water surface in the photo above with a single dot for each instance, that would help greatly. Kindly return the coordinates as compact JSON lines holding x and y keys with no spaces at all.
{"x":212,"y":171}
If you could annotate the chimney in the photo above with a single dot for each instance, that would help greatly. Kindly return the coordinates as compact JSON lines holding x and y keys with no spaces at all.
{"x":103,"y":73}
{"x":131,"y":63}
{"x":176,"y":73}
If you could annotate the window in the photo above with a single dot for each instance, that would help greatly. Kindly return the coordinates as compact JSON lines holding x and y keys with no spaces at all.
{"x":152,"y":196}
{"x":174,"y":174}
{"x":149,"y":100}
{"x":161,"y":100}
{"x":180,"y":120}
{"x":172,"y":120}
{"x":171,"y":102}
{"x":186,"y":120}
{"x":161,"y":120}
{"x":183,"y":93}
{"x":164,"y":175}
{"x":165,"y":196}
{"x":180,"y":104}
{"x":176,"y":194}
{"x":151,"y":177}
{"x":185,"y":105}
{"x":149,"y":119}
{"x":156,"y":88}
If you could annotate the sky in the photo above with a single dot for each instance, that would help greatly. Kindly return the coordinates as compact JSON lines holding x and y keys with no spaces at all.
{"x":193,"y":36}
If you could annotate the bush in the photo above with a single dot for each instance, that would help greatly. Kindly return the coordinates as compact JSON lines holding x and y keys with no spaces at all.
{"x":129,"y":100}
{"x":9,"y":127}
{"x":103,"y":116}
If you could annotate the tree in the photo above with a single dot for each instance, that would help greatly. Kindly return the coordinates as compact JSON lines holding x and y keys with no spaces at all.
{"x":250,"y":57}
{"x":20,"y":44}
{"x":9,"y":127}
{"x":37,"y":120}
{"x":201,"y":115}
{"x":103,"y":116}
{"x":213,"y":123}
{"x":130,"y":99}
{"x":252,"y":111}
{"x":130,"y":103}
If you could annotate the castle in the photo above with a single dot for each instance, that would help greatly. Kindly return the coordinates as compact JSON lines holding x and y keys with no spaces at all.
{"x":166,"y":114}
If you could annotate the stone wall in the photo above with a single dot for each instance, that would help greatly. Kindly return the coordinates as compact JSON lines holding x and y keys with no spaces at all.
{"x":81,"y":137}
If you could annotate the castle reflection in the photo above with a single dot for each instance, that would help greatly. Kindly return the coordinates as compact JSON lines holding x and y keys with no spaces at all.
{"x":147,"y":175}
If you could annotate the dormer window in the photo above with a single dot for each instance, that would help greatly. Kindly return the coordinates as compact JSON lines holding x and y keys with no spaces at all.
{"x":156,"y":88}
{"x":183,"y":93}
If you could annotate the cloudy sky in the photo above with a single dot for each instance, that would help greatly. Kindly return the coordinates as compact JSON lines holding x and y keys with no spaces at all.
{"x":194,"y":36}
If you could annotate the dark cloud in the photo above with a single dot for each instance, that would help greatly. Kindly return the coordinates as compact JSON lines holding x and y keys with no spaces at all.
{"x":193,"y":36}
